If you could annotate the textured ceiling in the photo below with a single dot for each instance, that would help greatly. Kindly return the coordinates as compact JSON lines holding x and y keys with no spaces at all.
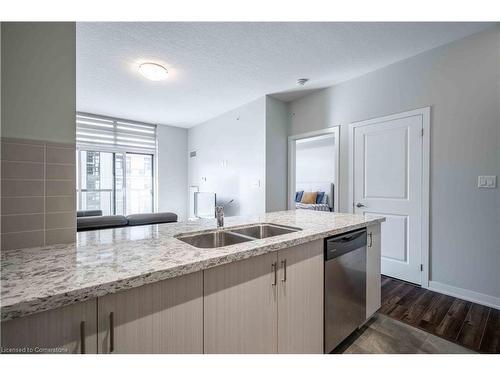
{"x":215,"y":67}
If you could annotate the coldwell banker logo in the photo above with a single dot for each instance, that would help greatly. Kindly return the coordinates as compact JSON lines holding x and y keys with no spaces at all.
{"x":32,"y":350}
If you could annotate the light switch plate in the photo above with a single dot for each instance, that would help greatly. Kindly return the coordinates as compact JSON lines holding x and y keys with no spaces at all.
{"x":488,"y":182}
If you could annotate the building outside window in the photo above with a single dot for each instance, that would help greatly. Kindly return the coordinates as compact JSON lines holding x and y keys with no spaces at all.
{"x":115,"y":165}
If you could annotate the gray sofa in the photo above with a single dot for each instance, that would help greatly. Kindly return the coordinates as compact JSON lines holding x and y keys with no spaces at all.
{"x":85,"y":220}
{"x":154,"y":218}
{"x":88,"y":213}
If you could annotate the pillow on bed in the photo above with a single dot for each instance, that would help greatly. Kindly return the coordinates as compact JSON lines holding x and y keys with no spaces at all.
{"x":298,"y":196}
{"x":309,"y":197}
{"x":320,"y":197}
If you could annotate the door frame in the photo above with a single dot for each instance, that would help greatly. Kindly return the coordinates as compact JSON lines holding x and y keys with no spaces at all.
{"x":335,"y":130}
{"x":425,"y":112}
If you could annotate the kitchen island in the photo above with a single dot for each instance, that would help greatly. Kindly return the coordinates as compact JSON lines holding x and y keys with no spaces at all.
{"x":142,"y":289}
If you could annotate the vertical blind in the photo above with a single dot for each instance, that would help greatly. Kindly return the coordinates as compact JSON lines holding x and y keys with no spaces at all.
{"x":95,"y":131}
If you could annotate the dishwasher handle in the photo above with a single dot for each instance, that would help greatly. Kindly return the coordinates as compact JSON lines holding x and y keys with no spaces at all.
{"x":345,"y":243}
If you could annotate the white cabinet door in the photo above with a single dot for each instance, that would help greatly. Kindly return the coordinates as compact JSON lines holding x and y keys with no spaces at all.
{"x":240,"y":307}
{"x":373,"y":258}
{"x":69,"y":329}
{"x":163,"y":317}
{"x":300,"y":299}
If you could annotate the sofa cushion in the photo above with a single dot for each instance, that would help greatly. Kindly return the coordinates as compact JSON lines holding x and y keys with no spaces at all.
{"x":88,"y":213}
{"x":100,"y":222}
{"x":153,"y":218}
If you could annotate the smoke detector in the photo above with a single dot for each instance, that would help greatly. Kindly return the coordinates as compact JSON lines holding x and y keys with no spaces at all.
{"x":302,"y":81}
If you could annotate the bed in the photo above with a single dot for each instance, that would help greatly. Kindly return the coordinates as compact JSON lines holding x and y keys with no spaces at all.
{"x":315,"y":207}
{"x":327,"y":203}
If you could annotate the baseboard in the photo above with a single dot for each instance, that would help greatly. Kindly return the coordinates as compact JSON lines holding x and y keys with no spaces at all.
{"x":465,"y":294}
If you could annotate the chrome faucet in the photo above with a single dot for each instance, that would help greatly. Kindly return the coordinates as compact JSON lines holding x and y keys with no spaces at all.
{"x":219,"y":213}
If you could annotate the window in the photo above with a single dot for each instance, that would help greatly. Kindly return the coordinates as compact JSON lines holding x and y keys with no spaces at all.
{"x":139,"y":183}
{"x":115,"y":164}
{"x":95,"y":178}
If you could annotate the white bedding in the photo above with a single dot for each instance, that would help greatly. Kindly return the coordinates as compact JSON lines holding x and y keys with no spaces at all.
{"x":315,"y":207}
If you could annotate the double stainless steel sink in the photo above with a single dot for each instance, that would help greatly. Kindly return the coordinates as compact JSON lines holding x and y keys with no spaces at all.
{"x":232,"y":236}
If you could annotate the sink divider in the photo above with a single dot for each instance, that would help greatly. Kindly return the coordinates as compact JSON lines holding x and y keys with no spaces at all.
{"x":241,"y":235}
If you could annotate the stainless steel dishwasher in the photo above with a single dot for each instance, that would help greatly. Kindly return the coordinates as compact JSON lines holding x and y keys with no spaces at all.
{"x":345,"y":286}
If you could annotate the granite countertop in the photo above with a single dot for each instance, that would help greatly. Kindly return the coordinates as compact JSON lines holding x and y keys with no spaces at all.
{"x":107,"y":261}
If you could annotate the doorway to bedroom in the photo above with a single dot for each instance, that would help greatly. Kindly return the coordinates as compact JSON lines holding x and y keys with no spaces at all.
{"x":314,"y":170}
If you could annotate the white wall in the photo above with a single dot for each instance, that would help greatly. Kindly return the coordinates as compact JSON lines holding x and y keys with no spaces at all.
{"x":461,"y":81}
{"x":172,"y":164}
{"x":315,"y":161}
{"x":39,"y":81}
{"x":231,"y":156}
{"x":277,"y":119}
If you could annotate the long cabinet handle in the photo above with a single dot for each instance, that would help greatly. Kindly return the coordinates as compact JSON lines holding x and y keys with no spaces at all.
{"x":274,"y":269}
{"x":111,"y":332}
{"x":283,"y":264}
{"x":82,"y":336}
{"x":371,"y":239}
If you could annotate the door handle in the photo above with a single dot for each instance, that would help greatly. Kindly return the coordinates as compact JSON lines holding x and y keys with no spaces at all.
{"x":283,"y":264}
{"x":371,"y":239}
{"x":111,"y":332}
{"x":274,"y":269}
{"x":82,"y":336}
{"x":359,"y":205}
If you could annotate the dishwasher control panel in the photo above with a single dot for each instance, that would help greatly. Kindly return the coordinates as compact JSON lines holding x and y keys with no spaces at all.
{"x":344,"y":243}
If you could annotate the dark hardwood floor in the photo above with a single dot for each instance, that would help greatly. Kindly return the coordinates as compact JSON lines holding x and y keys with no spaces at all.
{"x":468,"y":324}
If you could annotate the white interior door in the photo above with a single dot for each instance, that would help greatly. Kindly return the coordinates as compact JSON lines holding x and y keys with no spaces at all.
{"x":387,"y":178}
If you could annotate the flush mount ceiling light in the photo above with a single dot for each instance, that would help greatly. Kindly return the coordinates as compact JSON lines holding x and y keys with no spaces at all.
{"x":153,"y":72}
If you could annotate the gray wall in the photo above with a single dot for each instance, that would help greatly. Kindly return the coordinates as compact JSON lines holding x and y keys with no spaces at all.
{"x":231,"y":156}
{"x":277,"y":119}
{"x":461,"y":81}
{"x":172,"y":167}
{"x":38,"y":81}
{"x":0,"y":80}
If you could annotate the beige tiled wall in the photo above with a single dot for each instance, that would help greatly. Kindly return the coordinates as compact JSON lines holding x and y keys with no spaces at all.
{"x":38,"y":193}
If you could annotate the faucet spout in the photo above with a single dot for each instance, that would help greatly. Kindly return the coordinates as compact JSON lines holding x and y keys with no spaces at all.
{"x":219,"y":214}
